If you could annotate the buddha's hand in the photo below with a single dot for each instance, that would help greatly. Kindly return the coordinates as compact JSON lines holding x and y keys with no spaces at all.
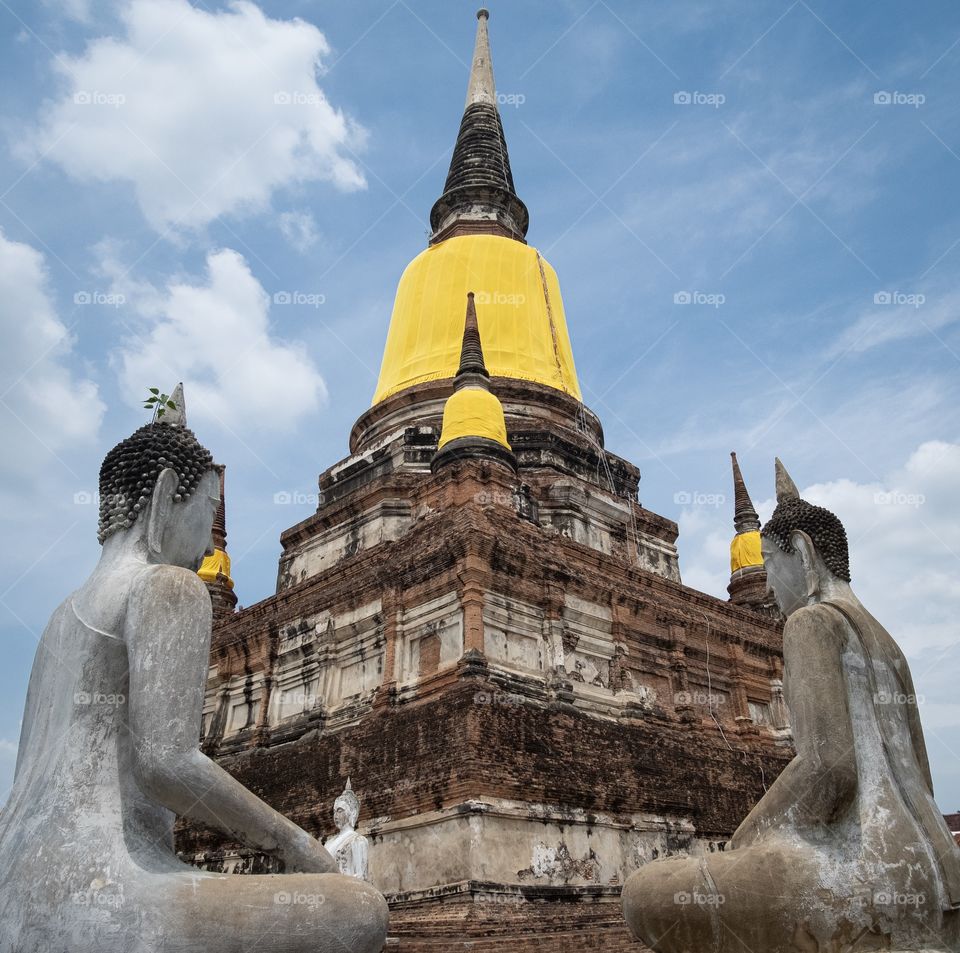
{"x":306,"y":855}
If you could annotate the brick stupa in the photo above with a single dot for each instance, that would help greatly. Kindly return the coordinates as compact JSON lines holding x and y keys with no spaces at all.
{"x":498,"y":651}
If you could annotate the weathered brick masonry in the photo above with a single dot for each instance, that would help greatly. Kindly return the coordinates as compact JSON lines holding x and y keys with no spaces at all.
{"x":494,"y":644}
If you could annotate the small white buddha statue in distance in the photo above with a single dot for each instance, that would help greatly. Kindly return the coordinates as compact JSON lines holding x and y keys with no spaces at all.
{"x":349,"y":849}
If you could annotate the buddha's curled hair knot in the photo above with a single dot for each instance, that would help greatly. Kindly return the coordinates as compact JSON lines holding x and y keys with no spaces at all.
{"x":822,"y":526}
{"x":130,"y":470}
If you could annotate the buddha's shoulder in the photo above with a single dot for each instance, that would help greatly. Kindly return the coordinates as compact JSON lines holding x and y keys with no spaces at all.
{"x":168,"y":581}
{"x":819,"y":619}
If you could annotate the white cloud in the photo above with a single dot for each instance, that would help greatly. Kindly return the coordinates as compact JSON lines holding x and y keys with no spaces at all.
{"x":204,"y":114}
{"x":7,"y":747}
{"x":216,"y":337}
{"x":895,"y":314}
{"x":299,"y":229}
{"x":44,"y":406}
{"x":904,"y":555}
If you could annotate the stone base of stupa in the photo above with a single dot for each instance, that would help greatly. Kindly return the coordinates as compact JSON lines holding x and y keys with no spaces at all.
{"x":492,"y":918}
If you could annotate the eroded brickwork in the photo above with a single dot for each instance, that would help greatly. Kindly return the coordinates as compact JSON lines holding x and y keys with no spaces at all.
{"x":509,"y":669}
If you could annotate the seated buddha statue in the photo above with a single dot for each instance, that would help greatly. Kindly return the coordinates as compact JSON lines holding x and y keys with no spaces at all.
{"x":847,"y":851}
{"x":109,"y":753}
{"x":348,"y":847}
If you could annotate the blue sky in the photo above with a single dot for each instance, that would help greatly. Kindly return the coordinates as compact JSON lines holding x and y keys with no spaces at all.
{"x":752,"y":207}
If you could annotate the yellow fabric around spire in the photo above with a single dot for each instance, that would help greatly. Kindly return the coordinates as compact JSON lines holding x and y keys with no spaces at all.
{"x":519,"y":311}
{"x":473,"y":412}
{"x":219,"y":562}
{"x":745,"y":551}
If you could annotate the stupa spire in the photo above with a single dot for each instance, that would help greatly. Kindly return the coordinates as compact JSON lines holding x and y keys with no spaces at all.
{"x":748,"y":578}
{"x":745,"y":517}
{"x":473,"y":420}
{"x":481,"y":88}
{"x":471,"y":350}
{"x":215,"y":569}
{"x":479,"y":196}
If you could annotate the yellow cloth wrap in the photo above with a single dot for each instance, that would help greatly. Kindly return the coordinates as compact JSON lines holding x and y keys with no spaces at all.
{"x":219,"y":562}
{"x":473,"y":412}
{"x":523,"y":329}
{"x":745,"y":551}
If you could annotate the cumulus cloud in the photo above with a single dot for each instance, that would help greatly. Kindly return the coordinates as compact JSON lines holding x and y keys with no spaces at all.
{"x":202,"y":113}
{"x":45,"y":406}
{"x":215,"y":336}
{"x":903,"y":535}
{"x":903,"y":531}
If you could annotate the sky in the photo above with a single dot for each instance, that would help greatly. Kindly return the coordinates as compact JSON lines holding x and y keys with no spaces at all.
{"x":752,"y":207}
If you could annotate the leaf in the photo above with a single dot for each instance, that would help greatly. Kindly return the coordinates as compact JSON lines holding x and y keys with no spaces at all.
{"x":171,"y":405}
{"x":154,"y":390}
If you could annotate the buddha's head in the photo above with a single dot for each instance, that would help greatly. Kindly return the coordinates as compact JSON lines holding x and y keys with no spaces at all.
{"x":804,"y":548}
{"x":346,"y":809}
{"x":159,"y":489}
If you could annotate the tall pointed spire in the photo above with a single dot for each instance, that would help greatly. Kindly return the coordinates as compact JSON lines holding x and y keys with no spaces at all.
{"x":745,"y":517}
{"x":479,"y":196}
{"x":215,"y":569}
{"x":748,"y":577}
{"x":481,"y":88}
{"x":471,"y":351}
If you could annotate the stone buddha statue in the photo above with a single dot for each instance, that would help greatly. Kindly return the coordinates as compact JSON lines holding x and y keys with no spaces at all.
{"x":847,"y":851}
{"x":348,"y":848}
{"x":109,"y":753}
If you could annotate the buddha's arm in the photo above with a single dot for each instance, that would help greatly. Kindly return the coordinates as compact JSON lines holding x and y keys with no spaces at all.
{"x":822,"y":779}
{"x":168,"y":641}
{"x":916,"y":729}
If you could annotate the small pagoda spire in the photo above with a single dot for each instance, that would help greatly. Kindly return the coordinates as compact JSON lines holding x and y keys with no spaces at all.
{"x":471,"y":351}
{"x":748,"y":578}
{"x":215,"y":570}
{"x":473,"y":420}
{"x":479,"y":196}
{"x":745,"y":517}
